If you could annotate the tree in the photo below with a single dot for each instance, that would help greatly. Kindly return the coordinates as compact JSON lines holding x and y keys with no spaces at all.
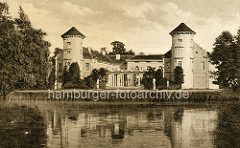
{"x":225,"y":56}
{"x":161,"y":82}
{"x":74,"y":72}
{"x":178,"y":76}
{"x":100,"y":74}
{"x":130,"y":52}
{"x":24,"y":54}
{"x":66,"y":77}
{"x":71,"y":76}
{"x":158,"y":77}
{"x":119,"y":48}
{"x":51,"y":79}
{"x":147,"y":79}
{"x":237,"y":58}
{"x":6,"y":40}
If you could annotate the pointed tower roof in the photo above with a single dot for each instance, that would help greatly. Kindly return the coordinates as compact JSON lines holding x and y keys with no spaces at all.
{"x":182,"y":28}
{"x":73,"y":31}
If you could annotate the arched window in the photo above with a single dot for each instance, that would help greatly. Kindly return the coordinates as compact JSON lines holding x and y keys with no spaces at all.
{"x":136,"y":68}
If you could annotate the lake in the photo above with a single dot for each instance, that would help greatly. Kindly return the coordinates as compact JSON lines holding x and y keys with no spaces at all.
{"x":92,"y":124}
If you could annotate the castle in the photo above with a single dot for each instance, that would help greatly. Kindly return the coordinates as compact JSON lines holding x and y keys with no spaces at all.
{"x":127,"y":71}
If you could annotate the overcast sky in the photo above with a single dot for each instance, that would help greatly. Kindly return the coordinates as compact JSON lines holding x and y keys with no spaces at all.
{"x":143,"y":25}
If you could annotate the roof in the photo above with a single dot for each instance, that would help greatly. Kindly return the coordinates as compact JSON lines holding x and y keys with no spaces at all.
{"x":86,"y":54}
{"x":122,"y":60}
{"x":99,"y":56}
{"x":147,"y":57}
{"x":73,"y":31}
{"x":168,"y":54}
{"x":182,"y":27}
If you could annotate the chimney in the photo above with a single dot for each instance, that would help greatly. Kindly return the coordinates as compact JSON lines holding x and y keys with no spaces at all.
{"x":103,"y":51}
{"x":118,"y":56}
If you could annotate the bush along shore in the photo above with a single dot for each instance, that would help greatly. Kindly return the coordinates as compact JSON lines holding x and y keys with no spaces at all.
{"x":193,"y":96}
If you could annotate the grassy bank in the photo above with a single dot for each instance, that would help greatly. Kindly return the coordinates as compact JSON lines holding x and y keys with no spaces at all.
{"x":128,"y":96}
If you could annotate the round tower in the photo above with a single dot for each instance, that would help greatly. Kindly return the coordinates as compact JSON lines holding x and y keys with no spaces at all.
{"x":72,"y":47}
{"x":182,"y":53}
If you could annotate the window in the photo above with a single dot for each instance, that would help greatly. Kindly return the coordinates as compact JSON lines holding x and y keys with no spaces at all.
{"x":179,"y":63}
{"x":179,"y":40}
{"x":168,"y":66}
{"x":69,"y":43}
{"x":137,"y":68}
{"x":68,"y":52}
{"x":60,"y":67}
{"x":87,"y":66}
{"x":203,"y":65}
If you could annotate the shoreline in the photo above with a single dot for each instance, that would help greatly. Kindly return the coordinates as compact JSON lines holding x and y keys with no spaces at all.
{"x":160,"y":96}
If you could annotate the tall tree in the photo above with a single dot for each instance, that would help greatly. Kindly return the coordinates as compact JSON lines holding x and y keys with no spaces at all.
{"x":225,"y":56}
{"x":159,"y":77}
{"x":74,"y":72}
{"x":237,"y":38}
{"x":35,"y":50}
{"x":161,"y":82}
{"x":147,"y":79}
{"x":51,"y":79}
{"x":178,"y":76}
{"x":6,"y":50}
{"x":24,"y":54}
{"x":118,"y":47}
{"x":66,"y":76}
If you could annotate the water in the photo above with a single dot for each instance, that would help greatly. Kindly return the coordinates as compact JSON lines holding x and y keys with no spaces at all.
{"x":76,"y":124}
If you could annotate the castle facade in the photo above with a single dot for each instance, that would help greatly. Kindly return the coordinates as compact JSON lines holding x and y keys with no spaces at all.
{"x":127,"y":71}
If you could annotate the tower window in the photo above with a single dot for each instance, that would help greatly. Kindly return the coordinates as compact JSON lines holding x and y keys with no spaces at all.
{"x":68,"y":52}
{"x":203,"y":65}
{"x":87,"y":66}
{"x":69,"y":43}
{"x":179,"y":40}
{"x":179,"y":63}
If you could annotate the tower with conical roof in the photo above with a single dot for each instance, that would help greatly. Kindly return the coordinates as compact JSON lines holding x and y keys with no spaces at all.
{"x":182,"y":53}
{"x":72,"y":47}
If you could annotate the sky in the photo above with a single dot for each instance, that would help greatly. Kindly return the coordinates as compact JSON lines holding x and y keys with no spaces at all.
{"x":142,"y":25}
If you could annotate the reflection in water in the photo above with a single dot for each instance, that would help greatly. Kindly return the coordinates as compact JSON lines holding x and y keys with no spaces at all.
{"x":227,"y":133}
{"x":21,"y":126}
{"x":71,"y":126}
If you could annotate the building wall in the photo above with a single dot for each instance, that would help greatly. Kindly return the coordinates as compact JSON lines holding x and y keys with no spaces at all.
{"x":59,"y":68}
{"x":167,"y":68}
{"x":143,"y":65}
{"x":182,"y":55}
{"x":72,"y":50}
{"x":185,"y":53}
{"x":86,"y":68}
{"x":200,"y":68}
